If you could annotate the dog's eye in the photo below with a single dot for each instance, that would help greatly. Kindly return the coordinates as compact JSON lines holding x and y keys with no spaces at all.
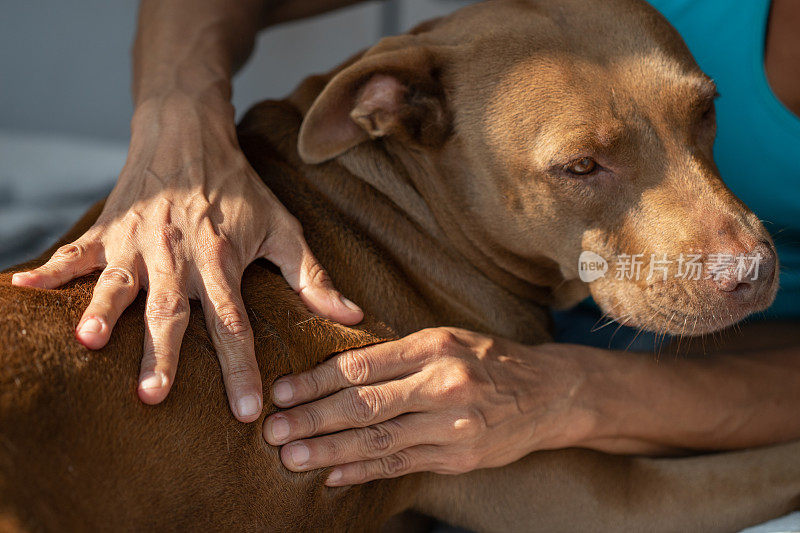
{"x":582,"y":166}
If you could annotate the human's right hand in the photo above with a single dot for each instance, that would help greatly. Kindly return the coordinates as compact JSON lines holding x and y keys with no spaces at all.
{"x":188,"y":214}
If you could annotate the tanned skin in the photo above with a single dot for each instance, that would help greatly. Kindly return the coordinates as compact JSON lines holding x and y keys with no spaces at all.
{"x":185,"y":55}
{"x":175,"y":224}
{"x":78,"y":450}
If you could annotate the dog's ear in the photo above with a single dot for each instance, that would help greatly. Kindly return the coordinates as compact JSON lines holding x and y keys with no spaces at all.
{"x":389,"y":93}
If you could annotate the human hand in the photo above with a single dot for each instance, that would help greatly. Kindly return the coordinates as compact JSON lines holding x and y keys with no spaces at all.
{"x":186,"y":217}
{"x":443,"y":400}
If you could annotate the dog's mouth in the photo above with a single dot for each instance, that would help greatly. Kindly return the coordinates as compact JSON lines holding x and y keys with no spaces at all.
{"x":683,"y":309}
{"x":678,"y":322}
{"x":687,"y":307}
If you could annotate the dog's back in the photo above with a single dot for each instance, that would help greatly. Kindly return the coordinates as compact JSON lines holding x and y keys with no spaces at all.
{"x":78,"y":451}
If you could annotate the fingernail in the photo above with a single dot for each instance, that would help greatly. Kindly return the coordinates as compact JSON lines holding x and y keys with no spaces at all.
{"x":92,"y":325}
{"x":279,"y":428}
{"x":248,"y":406}
{"x":334,"y":477}
{"x":152,"y":380}
{"x":349,"y":304}
{"x":283,"y":391}
{"x":299,"y":453}
{"x":18,"y":277}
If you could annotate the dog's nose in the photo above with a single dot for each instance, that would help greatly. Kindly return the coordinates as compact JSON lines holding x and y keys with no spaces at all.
{"x":749,"y":275}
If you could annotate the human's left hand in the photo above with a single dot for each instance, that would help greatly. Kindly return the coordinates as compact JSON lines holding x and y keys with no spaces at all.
{"x":443,"y":400}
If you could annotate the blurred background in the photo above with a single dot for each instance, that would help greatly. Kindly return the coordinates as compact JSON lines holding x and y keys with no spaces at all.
{"x":65,"y":102}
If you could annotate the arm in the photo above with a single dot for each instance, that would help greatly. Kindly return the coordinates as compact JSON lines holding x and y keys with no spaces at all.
{"x":450,"y":401}
{"x":721,"y":401}
{"x":188,"y":213}
{"x":191,"y":48}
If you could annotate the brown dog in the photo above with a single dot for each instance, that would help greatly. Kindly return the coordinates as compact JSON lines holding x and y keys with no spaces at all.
{"x":450,"y":176}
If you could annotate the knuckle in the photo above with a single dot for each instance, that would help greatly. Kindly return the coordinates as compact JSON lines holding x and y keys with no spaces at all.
{"x":394,"y":464}
{"x":164,"y":205}
{"x":242,"y":371}
{"x":455,"y":384}
{"x":314,"y":420}
{"x":334,"y":449}
{"x":364,"y":471}
{"x":117,"y":276}
{"x":379,"y":438}
{"x":314,"y":382}
{"x":132,"y":219}
{"x":158,"y":354}
{"x":317,"y":276}
{"x":364,"y":405}
{"x":166,"y":304}
{"x":355,"y":367}
{"x":291,"y":226}
{"x":468,"y":425}
{"x":287,"y":233}
{"x":231,"y":322}
{"x":442,"y":341}
{"x":69,"y":252}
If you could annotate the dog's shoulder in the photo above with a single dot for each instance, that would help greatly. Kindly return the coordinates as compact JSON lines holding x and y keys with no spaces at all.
{"x":285,"y":329}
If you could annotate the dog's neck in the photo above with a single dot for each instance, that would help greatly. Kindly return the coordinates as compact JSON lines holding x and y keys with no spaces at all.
{"x":422,"y":241}
{"x":417,"y":179}
{"x":384,"y":195}
{"x":414,"y":182}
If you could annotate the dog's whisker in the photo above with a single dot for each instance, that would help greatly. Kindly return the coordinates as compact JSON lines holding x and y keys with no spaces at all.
{"x":619,"y":326}
{"x":598,"y":328}
{"x":681,"y":336}
{"x":638,"y":332}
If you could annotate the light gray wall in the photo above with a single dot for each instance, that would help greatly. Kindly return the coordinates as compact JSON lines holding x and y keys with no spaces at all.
{"x":65,"y":103}
{"x":65,"y":64}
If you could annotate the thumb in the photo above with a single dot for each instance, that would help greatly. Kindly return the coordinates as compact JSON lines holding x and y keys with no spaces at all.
{"x":308,"y":277}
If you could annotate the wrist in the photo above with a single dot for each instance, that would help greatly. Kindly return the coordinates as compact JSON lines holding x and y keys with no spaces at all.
{"x":176,"y":117}
{"x":212,"y":90}
{"x":563,"y":379}
{"x":596,"y":395}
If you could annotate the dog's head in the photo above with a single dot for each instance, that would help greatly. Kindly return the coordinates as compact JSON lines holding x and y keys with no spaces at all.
{"x":566,"y":144}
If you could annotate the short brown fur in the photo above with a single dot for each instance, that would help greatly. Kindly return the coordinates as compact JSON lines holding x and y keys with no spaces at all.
{"x":420,"y":216}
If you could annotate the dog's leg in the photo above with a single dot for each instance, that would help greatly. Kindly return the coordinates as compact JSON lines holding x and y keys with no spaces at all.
{"x":581,"y":490}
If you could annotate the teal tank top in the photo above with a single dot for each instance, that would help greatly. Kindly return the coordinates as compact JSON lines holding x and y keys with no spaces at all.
{"x":758,"y":138}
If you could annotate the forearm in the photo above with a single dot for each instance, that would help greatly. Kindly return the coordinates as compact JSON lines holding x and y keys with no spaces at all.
{"x":184,"y":56}
{"x":193,"y":48}
{"x":647,"y":405}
